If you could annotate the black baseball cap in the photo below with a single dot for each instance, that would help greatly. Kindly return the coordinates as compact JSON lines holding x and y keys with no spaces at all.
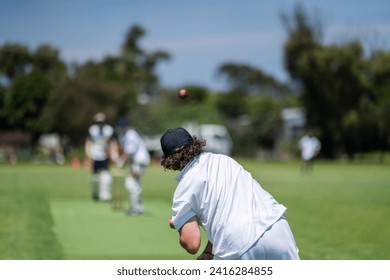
{"x":173,"y":139}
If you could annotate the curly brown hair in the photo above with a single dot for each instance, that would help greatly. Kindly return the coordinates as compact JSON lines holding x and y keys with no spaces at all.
{"x":183,"y":155}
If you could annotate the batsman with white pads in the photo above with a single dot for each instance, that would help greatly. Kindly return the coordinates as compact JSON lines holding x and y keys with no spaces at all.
{"x":136,"y":154}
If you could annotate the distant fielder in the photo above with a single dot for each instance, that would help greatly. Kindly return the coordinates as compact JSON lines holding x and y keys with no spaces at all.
{"x":310,"y":146}
{"x":97,"y":148}
{"x":242,"y":221}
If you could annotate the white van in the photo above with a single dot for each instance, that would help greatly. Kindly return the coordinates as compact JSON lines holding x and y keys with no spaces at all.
{"x":217,"y":137}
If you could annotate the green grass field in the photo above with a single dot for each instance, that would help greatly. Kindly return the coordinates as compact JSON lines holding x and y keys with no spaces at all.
{"x":338,"y":212}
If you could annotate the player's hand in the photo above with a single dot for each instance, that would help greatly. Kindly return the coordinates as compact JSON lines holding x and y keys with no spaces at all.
{"x":171,"y":225}
{"x":205,"y":256}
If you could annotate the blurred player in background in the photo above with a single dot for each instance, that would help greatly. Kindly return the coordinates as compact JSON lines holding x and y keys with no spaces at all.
{"x":97,"y":148}
{"x":136,"y":154}
{"x":310,"y":146}
{"x":242,"y":220}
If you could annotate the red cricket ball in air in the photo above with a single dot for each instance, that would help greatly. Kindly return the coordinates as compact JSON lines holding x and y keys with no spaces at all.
{"x":183,"y":93}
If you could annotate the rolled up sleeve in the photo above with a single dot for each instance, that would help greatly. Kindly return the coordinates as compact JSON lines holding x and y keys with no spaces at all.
{"x":182,"y":212}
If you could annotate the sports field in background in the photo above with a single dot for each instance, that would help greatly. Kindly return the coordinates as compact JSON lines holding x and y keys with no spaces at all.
{"x":340,"y":211}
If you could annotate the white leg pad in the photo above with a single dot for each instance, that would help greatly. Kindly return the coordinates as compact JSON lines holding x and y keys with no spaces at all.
{"x":105,"y":185}
{"x":133,"y":187}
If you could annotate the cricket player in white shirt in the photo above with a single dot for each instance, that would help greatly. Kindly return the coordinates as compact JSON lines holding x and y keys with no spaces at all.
{"x":97,"y":148}
{"x":136,"y":154}
{"x":310,"y":146}
{"x":241,"y":219}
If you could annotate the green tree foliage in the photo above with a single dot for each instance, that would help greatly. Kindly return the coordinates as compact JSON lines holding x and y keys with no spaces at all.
{"x":338,"y":92}
{"x":136,"y":65}
{"x":346,"y":95}
{"x":255,"y":98}
{"x":304,"y":35}
{"x":333,"y":84}
{"x":369,"y":125}
{"x":3,"y":115}
{"x":15,"y":60}
{"x":266,"y":121}
{"x":170,"y":111}
{"x":26,"y":101}
{"x":148,"y":77}
{"x":379,"y":71}
{"x":360,"y":129}
{"x":384,"y":125}
{"x":232,"y":104}
{"x":249,"y":107}
{"x":250,"y":80}
{"x":105,"y":70}
{"x":197,"y":94}
{"x":28,"y":85}
{"x":47,"y":60}
{"x":351,"y":133}
{"x":75,"y":101}
{"x":133,"y":68}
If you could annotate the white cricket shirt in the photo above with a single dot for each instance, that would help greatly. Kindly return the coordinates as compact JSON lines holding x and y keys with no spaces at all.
{"x":309,"y":146}
{"x":100,"y":137}
{"x":134,"y":145}
{"x":231,"y":206}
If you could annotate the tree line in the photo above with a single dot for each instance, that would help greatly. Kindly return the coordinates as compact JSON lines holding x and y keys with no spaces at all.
{"x":344,"y":92}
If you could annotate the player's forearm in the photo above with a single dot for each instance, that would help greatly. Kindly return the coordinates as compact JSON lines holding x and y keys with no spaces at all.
{"x":87,"y":148}
{"x":190,"y":237}
{"x":122,"y":160}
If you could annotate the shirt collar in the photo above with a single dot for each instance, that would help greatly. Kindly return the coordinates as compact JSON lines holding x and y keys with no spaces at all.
{"x":187,"y":168}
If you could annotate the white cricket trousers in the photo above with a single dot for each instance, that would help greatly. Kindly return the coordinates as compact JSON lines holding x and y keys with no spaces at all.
{"x":277,"y":243}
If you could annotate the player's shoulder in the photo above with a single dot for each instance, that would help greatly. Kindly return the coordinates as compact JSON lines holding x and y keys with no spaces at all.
{"x":93,"y":129}
{"x":216,"y":156}
{"x":108,"y":129}
{"x":134,"y":133}
{"x":217,"y":159}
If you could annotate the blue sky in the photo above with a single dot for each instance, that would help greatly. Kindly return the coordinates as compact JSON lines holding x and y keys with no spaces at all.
{"x":200,"y":35}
